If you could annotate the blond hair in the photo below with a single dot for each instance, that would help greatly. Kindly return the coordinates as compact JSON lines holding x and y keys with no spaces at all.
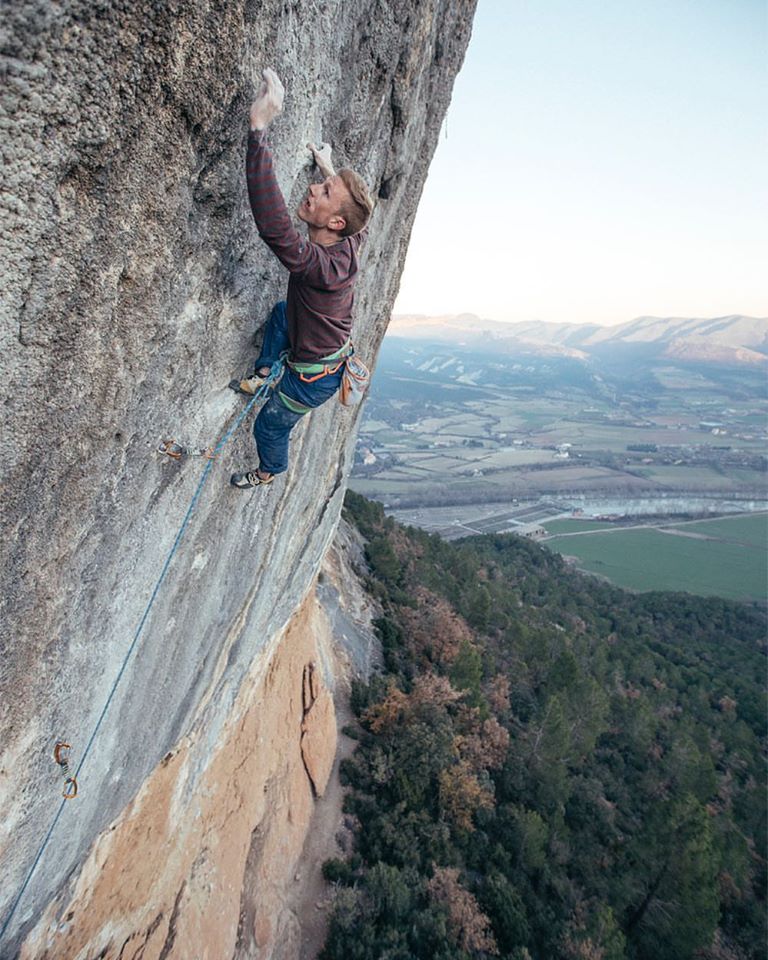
{"x":358,"y":209}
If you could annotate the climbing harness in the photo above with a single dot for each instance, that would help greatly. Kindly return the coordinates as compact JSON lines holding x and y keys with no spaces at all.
{"x":355,"y":375}
{"x":325,"y":367}
{"x":61,"y":755}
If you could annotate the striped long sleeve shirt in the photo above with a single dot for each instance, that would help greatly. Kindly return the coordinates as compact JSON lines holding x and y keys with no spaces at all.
{"x":321,"y":284}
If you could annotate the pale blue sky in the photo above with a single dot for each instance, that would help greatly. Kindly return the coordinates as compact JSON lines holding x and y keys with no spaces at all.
{"x":601,"y":160}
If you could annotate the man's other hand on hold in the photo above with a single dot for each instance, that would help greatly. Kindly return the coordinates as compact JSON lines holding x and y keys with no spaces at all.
{"x":322,"y":157}
{"x":268,"y":102}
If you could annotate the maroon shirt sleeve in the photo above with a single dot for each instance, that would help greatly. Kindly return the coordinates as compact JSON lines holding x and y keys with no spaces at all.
{"x":270,"y":212}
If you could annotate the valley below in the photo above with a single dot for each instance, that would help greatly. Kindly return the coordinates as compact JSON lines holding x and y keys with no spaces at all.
{"x":491,"y":436}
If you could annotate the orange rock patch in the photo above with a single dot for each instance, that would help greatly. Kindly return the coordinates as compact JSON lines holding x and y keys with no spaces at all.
{"x":198,"y":864}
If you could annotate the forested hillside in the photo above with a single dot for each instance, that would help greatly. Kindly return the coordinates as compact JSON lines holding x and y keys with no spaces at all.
{"x":549,"y":767}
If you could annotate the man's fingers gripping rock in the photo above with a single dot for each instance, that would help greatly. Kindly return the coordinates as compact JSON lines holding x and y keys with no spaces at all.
{"x":274,"y":88}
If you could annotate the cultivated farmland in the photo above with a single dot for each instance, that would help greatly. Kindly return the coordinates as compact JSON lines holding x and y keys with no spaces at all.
{"x":725,"y":557}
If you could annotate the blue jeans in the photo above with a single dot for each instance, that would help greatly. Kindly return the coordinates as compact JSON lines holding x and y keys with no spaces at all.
{"x":275,"y":420}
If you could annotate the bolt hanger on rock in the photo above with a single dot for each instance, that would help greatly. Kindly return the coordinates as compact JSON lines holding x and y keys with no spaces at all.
{"x":177,"y":451}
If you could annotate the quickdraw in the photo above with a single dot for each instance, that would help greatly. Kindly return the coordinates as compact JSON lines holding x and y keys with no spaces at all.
{"x":61,"y":756}
{"x":176,"y":451}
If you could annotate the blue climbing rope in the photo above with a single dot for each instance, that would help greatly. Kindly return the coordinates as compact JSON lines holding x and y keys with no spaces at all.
{"x":273,"y":376}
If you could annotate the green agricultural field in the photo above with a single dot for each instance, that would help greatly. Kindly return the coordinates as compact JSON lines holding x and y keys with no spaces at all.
{"x":505,"y":420}
{"x":413,"y":471}
{"x":685,"y":477}
{"x":576,"y":526}
{"x":465,"y":455}
{"x":396,"y":438}
{"x":616,"y":437}
{"x":750,"y":529}
{"x":441,"y":464}
{"x":754,"y":419}
{"x":649,"y":559}
{"x":750,"y":478}
{"x":566,"y":475}
{"x":513,"y":457}
{"x":372,"y":426}
{"x":377,"y":487}
{"x":464,"y":428}
{"x":673,"y":378}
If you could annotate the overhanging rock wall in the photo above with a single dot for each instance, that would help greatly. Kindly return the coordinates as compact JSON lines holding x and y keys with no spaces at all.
{"x":132,"y":281}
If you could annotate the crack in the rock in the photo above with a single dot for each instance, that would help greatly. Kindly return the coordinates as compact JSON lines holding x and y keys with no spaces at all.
{"x":309,"y":695}
{"x":171,"y":935}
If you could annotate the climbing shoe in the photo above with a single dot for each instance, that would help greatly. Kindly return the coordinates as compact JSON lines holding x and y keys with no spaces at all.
{"x":244,"y":481}
{"x":249,"y":386}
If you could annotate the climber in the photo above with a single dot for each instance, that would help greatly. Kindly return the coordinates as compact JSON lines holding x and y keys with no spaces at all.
{"x":312,"y":327}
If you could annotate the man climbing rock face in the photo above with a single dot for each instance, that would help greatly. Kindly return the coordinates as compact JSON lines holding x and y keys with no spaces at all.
{"x":311,"y":329}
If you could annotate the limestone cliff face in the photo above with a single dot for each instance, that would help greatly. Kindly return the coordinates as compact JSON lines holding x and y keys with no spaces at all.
{"x":132,"y":283}
{"x":207,"y":872}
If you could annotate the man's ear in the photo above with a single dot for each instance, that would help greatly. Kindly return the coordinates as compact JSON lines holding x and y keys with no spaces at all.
{"x":337,"y":223}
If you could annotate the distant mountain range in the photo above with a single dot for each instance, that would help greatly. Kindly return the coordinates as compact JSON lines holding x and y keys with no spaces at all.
{"x":724,"y":340}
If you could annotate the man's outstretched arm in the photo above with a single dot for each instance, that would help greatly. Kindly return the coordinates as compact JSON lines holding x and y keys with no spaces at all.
{"x":267,"y":204}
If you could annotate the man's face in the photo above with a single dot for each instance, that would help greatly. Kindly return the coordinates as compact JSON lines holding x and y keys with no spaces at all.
{"x":321,"y":206}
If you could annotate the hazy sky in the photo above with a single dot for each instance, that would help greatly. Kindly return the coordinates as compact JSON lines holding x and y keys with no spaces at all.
{"x":601,"y":160}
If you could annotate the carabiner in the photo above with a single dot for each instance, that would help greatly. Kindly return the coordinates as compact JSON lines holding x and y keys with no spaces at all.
{"x":171,"y":448}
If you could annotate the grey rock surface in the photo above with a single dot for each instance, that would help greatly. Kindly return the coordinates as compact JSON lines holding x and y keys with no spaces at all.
{"x":132,"y":283}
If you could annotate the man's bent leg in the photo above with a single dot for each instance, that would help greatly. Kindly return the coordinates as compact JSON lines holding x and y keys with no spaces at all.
{"x":276,"y":420}
{"x":274,"y":345}
{"x":275,"y":340}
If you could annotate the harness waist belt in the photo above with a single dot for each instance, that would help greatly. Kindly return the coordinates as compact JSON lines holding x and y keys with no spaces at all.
{"x":321,"y":366}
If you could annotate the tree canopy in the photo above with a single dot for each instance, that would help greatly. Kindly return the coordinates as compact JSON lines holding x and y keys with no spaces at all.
{"x":549,"y":766}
